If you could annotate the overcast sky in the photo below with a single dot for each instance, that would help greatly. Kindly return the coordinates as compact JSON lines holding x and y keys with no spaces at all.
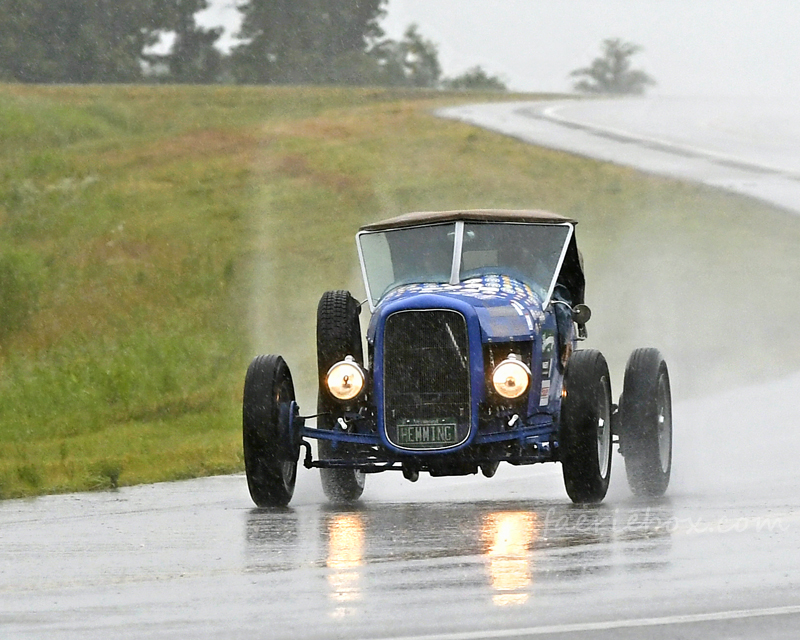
{"x":691,"y":47}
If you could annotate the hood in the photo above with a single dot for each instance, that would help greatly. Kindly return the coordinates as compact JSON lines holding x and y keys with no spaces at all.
{"x":506,"y":308}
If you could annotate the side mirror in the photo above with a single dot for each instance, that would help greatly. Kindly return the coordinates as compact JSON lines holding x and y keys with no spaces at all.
{"x":581,"y":314}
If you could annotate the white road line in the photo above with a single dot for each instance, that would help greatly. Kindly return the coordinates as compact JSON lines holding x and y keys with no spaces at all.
{"x":609,"y":624}
{"x":657,"y":155}
{"x":552,"y":113}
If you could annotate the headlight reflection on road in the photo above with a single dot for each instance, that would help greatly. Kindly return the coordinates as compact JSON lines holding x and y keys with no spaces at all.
{"x":345,"y":556}
{"x":508,"y":537}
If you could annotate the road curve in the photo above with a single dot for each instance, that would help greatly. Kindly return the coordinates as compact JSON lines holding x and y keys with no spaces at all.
{"x":744,"y":146}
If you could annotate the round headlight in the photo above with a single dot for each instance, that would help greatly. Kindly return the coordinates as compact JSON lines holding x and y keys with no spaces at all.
{"x":511,"y":377}
{"x":345,"y":379}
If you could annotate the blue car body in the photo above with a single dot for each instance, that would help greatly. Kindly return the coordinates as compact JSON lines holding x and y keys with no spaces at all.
{"x":429,"y":404}
{"x":471,"y":360}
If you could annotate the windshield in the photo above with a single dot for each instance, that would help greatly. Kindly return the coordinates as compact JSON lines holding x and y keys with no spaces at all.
{"x":527,"y":252}
{"x":532,"y":253}
{"x":404,"y":256}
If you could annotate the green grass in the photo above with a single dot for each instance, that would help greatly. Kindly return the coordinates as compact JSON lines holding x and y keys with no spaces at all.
{"x":154,"y":239}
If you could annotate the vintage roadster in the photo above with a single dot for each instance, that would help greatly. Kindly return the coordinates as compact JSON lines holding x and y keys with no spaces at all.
{"x":471,"y":360}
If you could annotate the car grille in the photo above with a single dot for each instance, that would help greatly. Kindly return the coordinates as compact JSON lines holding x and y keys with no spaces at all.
{"x":426,"y":379}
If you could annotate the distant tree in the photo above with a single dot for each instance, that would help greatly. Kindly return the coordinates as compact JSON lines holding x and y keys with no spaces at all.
{"x":410,"y":62}
{"x":611,"y":73}
{"x":77,"y":40}
{"x":193,"y":57}
{"x":420,"y":59}
{"x":305,"y":41}
{"x":474,"y":78}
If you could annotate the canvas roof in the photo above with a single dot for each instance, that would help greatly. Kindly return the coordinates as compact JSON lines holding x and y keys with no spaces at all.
{"x":468,"y":215}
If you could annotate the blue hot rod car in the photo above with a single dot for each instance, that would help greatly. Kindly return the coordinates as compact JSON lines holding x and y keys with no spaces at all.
{"x":471,"y":360}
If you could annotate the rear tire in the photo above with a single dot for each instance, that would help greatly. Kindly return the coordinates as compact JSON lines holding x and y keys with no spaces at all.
{"x":646,"y":423}
{"x":585,"y":441}
{"x":338,"y":335}
{"x":270,"y":458}
{"x":339,"y":485}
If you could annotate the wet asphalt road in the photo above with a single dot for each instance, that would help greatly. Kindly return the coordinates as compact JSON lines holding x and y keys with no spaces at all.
{"x":747,"y":146}
{"x":451,"y":558}
{"x":448,"y":559}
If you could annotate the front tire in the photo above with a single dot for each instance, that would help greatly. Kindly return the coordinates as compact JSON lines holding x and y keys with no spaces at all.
{"x":270,"y":458}
{"x":338,"y":335}
{"x":646,"y":421}
{"x":585,"y":442}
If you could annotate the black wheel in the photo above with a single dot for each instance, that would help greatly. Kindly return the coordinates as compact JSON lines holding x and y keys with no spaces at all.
{"x":338,"y":335}
{"x":585,"y":441}
{"x":270,"y":457}
{"x":646,"y":423}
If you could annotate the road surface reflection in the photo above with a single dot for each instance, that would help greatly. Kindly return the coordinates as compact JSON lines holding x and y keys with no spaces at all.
{"x":499,"y":553}
{"x":508,"y":536}
{"x":345,"y":557}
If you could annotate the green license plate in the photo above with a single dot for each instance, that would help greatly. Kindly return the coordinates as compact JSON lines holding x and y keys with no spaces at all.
{"x":426,"y":433}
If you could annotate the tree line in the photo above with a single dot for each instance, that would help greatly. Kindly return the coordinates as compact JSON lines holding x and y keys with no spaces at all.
{"x":280,"y":42}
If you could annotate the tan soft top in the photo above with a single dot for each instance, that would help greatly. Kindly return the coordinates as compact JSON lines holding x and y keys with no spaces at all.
{"x":468,"y":215}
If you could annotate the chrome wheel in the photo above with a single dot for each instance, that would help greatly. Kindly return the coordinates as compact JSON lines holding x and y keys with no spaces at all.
{"x":664,"y":424}
{"x":604,"y":433}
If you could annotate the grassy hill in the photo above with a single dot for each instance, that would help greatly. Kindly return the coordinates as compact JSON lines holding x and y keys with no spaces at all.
{"x":154,"y":239}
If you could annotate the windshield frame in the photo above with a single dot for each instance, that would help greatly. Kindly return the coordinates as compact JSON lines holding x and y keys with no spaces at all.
{"x":458,"y":243}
